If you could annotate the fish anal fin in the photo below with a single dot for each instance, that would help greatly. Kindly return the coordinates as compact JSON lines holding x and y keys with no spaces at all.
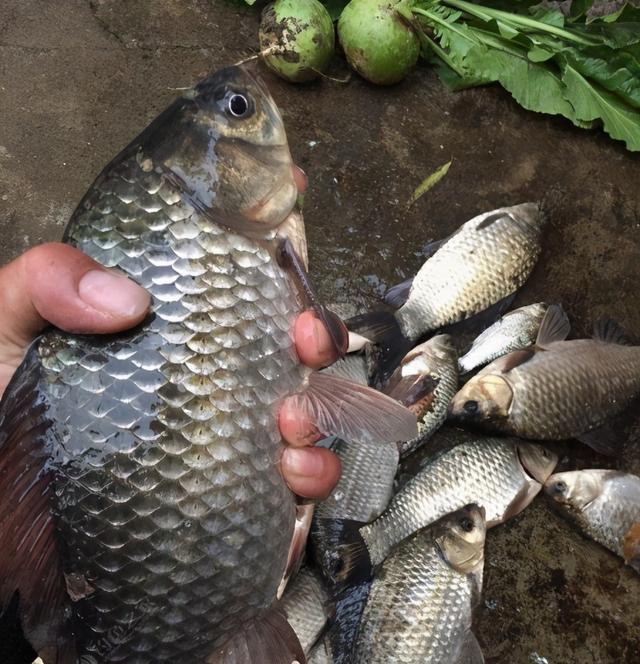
{"x":304,"y":517}
{"x":470,"y":651}
{"x":609,"y":331}
{"x":397,"y":295}
{"x":631,"y":547}
{"x":29,"y":561}
{"x":354,"y":412}
{"x":414,"y":392}
{"x":555,"y":326}
{"x":267,"y":638}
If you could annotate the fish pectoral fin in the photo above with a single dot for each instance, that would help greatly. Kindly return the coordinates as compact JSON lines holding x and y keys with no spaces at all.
{"x":631,"y":547}
{"x":354,"y":412}
{"x":555,"y":326}
{"x":604,"y":440}
{"x":397,"y":295}
{"x":505,"y":363}
{"x":415,"y":392}
{"x":470,"y":652}
{"x":29,"y":561}
{"x":289,"y":259}
{"x":609,"y":331}
{"x":267,"y":638}
{"x":304,"y":517}
{"x":523,"y":499}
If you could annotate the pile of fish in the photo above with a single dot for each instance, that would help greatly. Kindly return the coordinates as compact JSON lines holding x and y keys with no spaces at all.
{"x":143,"y":517}
{"x":397,"y":550}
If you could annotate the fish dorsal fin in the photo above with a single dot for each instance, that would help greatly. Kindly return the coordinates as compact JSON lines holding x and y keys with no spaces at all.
{"x":609,"y":331}
{"x":555,"y":326}
{"x":29,"y":561}
{"x":397,"y":295}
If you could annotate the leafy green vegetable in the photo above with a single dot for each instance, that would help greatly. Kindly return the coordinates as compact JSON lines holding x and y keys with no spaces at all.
{"x":429,"y":183}
{"x":589,"y":72}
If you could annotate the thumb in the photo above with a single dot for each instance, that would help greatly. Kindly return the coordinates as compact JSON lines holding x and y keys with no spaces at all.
{"x":55,"y":283}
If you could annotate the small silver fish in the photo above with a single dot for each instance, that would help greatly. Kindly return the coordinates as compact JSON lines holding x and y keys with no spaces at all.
{"x":426,"y":381}
{"x":555,"y":390}
{"x":420,"y":605}
{"x":604,"y":504}
{"x":484,"y":262}
{"x":502,"y":475}
{"x":514,"y":331}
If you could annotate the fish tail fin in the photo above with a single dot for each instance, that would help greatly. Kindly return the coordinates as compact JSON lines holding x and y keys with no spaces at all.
{"x":389,"y":344}
{"x":354,"y":562}
{"x":267,"y":638}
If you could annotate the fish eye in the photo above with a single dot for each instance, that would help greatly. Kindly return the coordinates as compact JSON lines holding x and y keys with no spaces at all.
{"x":560,"y":487}
{"x":466,"y":524}
{"x":238,"y":105}
{"x":471,"y":406}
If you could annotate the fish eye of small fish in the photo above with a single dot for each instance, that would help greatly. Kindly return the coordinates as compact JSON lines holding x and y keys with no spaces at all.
{"x":466,"y":524}
{"x":471,"y":406}
{"x":559,"y":487}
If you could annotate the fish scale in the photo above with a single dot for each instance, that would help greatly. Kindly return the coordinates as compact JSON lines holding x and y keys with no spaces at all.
{"x":419,"y":607}
{"x":608,"y":379}
{"x":486,"y":471}
{"x":487,"y":259}
{"x":168,"y":430}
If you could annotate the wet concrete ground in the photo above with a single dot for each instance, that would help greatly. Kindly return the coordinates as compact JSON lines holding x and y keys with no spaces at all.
{"x":78,"y":80}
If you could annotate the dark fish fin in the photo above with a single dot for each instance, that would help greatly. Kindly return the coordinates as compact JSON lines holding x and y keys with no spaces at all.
{"x":604,"y":440}
{"x":397,"y":295}
{"x":555,"y":326}
{"x":631,"y":547}
{"x":267,"y":638}
{"x":514,"y":359}
{"x":470,"y":652}
{"x":342,"y":633}
{"x":304,"y":517}
{"x":355,"y":412}
{"x":353,"y":564}
{"x":288,"y":258}
{"x":609,"y":331}
{"x":29,"y":561}
{"x":480,"y":321}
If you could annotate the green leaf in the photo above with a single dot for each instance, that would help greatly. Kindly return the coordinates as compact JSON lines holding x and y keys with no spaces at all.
{"x":592,"y":102}
{"x":616,"y":35}
{"x":506,"y":30}
{"x":549,"y":16}
{"x":537,"y":54}
{"x":535,"y":86}
{"x":616,"y":71}
{"x":429,"y":182}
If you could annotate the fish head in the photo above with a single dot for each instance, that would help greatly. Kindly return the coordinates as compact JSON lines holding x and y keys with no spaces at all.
{"x":485,"y":400}
{"x":537,"y":461}
{"x":223,"y":145}
{"x":460,"y":537}
{"x":574,"y":489}
{"x":532,"y":215}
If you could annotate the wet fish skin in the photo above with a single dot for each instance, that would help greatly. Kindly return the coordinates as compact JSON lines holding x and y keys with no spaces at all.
{"x":605,"y":505}
{"x":502,"y":475}
{"x":306,"y":605}
{"x":436,"y":360}
{"x":421,"y":600}
{"x":488,"y":258}
{"x":516,"y":330}
{"x":156,"y":451}
{"x":561,"y":390}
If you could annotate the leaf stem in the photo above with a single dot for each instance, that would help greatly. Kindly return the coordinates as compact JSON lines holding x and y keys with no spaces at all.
{"x":486,"y":13}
